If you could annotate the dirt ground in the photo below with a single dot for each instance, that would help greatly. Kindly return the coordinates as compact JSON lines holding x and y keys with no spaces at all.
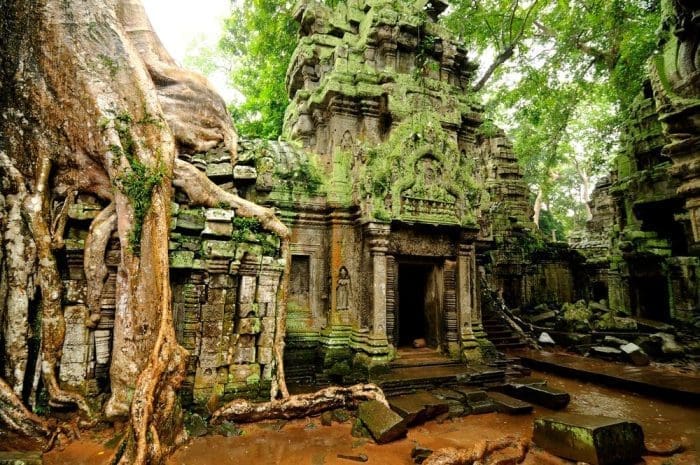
{"x":307,"y":442}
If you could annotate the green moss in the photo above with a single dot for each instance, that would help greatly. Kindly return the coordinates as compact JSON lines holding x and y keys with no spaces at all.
{"x":250,"y":229}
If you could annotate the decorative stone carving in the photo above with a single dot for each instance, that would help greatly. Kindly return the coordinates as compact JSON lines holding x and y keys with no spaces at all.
{"x":342,"y":293}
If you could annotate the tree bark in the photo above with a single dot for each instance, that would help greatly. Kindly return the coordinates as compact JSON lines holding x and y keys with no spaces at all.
{"x":475,"y":454}
{"x":299,"y":406}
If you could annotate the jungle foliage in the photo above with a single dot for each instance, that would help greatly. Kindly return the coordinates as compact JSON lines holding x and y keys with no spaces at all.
{"x":557,"y":74}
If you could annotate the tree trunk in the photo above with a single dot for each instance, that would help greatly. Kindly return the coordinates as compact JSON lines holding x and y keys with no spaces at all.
{"x":94,"y":104}
{"x":537,"y":208}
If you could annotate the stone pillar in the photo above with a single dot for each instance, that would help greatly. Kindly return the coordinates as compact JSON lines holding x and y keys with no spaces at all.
{"x":467,"y":300}
{"x":374,"y":342}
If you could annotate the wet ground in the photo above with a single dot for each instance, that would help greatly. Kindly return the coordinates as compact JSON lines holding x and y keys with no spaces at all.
{"x":307,"y":442}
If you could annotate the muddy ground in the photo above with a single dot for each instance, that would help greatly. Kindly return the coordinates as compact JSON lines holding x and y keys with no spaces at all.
{"x":307,"y":442}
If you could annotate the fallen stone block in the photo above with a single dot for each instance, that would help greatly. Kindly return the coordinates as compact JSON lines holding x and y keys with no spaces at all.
{"x":481,"y":407}
{"x":509,"y":405}
{"x":471,"y":394}
{"x":545,"y":338}
{"x":607,"y":353}
{"x":546,"y":316}
{"x":384,"y":424}
{"x":635,"y":354}
{"x":419,"y":407}
{"x":20,"y":458}
{"x":539,"y":394}
{"x":591,"y":439}
{"x":612,"y":341}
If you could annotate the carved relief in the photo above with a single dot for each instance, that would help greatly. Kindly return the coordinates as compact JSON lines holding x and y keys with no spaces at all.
{"x":342,"y":291}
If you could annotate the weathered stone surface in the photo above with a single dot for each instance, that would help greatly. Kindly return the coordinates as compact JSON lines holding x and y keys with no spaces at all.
{"x":419,"y":407}
{"x":608,"y":353}
{"x":545,"y":316}
{"x":545,"y":338}
{"x":241,"y":172}
{"x":635,"y":354}
{"x":384,"y":424}
{"x":510,"y":405}
{"x":669,"y":346}
{"x":540,"y":394}
{"x":591,"y":439}
{"x":20,"y":458}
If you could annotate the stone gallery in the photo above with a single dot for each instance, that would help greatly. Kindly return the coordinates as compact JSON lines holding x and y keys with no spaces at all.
{"x":409,"y":233}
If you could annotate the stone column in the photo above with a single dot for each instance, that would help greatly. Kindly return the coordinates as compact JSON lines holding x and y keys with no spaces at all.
{"x":375,"y":343}
{"x":379,"y":245}
{"x":469,"y":316}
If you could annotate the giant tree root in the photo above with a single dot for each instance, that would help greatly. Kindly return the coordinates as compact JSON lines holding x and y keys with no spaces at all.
{"x":17,"y":418}
{"x":453,"y":456}
{"x":94,"y":263}
{"x":299,"y":406}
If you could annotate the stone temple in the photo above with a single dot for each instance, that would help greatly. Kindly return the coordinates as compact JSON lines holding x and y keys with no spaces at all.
{"x":409,"y":216}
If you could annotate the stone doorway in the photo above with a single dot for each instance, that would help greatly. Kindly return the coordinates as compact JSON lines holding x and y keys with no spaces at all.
{"x":419,"y":304}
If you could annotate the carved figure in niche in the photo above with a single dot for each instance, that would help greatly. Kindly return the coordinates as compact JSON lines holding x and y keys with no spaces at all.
{"x":346,"y":143}
{"x":343,"y":290}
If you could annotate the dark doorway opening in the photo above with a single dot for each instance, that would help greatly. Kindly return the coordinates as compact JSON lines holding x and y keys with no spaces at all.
{"x":599,"y":291}
{"x":417,"y":304}
{"x":650,"y":297}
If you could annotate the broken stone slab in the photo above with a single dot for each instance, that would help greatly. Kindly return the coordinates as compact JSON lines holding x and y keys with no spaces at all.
{"x":592,"y":439}
{"x":419,"y":407}
{"x":607,"y":353}
{"x":612,"y":341}
{"x":471,"y":394}
{"x":542,"y":317}
{"x":669,"y":346}
{"x":545,"y":338}
{"x":635,"y":354}
{"x":20,"y":458}
{"x":536,"y":391}
{"x":509,"y":405}
{"x":540,"y":394}
{"x":384,"y":424}
{"x":482,"y":407}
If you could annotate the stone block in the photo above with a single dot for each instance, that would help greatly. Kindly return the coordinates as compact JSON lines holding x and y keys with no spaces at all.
{"x":241,"y":172}
{"x":219,"y":170}
{"x":247,"y":290}
{"x":265,"y":355}
{"x":219,"y":215}
{"x":249,"y":326}
{"x":214,"y":228}
{"x":181,"y":259}
{"x":635,"y":354}
{"x":591,"y":439}
{"x":218,"y":249}
{"x":481,"y":407}
{"x":244,"y":355}
{"x":418,"y":407}
{"x":471,"y":394}
{"x":223,"y":281}
{"x":244,"y":374}
{"x":384,"y":424}
{"x":510,"y":405}
{"x":536,"y":391}
{"x":191,"y":219}
{"x":542,"y":317}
